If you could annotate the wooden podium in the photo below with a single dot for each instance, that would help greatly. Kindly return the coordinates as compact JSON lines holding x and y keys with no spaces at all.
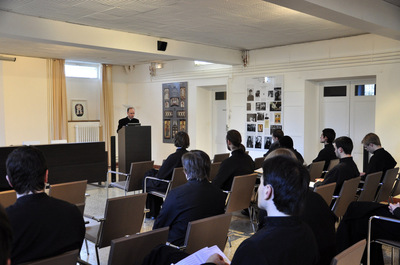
{"x":134,"y":145}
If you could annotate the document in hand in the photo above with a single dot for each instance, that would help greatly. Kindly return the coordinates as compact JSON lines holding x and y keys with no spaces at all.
{"x":201,"y":256}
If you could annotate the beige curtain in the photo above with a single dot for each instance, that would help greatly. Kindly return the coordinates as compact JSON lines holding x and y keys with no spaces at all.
{"x":107,"y":107}
{"x":58,"y":99}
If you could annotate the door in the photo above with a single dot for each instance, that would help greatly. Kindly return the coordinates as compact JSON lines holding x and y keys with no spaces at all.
{"x":219,"y":121}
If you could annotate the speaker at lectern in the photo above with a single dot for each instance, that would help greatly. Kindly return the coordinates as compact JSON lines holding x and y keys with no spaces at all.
{"x":134,"y":145}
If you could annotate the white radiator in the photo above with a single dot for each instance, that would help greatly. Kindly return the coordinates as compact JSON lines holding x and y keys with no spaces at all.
{"x":85,"y":133}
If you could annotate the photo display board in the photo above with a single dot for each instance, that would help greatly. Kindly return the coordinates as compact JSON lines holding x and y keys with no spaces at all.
{"x":174,"y":96}
{"x":263,"y":111}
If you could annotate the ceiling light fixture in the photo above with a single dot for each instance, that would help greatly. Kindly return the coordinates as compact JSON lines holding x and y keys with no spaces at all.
{"x":10,"y":59}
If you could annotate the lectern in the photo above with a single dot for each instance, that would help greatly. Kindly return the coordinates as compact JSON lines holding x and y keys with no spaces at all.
{"x":134,"y":145}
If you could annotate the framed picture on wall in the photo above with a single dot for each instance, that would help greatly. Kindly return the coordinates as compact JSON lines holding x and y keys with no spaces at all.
{"x":79,"y":110}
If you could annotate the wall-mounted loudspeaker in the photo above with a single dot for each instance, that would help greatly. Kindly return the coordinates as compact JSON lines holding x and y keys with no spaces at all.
{"x":161,"y":45}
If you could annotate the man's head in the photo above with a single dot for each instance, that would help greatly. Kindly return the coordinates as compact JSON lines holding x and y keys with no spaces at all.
{"x":196,"y":165}
{"x":284,"y":183}
{"x":286,"y":142}
{"x":182,"y":140}
{"x":130,"y":112}
{"x":26,"y":169}
{"x":328,"y":136}
{"x":343,"y":146}
{"x":233,"y":140}
{"x":5,"y":238}
{"x":371,"y":142}
{"x":277,"y":134}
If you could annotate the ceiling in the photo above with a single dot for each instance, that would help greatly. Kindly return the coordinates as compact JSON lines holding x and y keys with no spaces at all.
{"x":125,"y":32}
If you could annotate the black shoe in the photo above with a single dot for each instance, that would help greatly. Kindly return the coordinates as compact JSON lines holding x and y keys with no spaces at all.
{"x":245,"y":212}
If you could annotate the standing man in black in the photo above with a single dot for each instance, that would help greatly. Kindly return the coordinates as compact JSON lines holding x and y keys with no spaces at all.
{"x":381,"y":159}
{"x":128,"y":119}
{"x":328,"y":152}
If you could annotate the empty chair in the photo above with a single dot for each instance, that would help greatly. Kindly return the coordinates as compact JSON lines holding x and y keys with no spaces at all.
{"x":214,"y":170}
{"x":207,"y":232}
{"x":178,"y":178}
{"x":332,"y":164}
{"x":220,"y":157}
{"x":371,"y":185}
{"x":316,"y":170}
{"x":387,"y":184}
{"x":72,"y":192}
{"x":351,"y":255}
{"x":67,"y":258}
{"x":133,"y":249}
{"x":346,"y":196}
{"x":326,"y":192}
{"x":123,"y":216}
{"x":135,"y":177}
{"x":8,"y":197}
{"x":241,"y":193}
{"x":258,"y":162}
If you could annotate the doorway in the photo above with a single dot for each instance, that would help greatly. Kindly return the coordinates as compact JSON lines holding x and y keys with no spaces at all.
{"x":349,"y":108}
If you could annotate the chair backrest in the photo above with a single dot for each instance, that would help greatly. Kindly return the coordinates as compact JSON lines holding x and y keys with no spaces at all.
{"x":207,"y":232}
{"x":241,"y":192}
{"x":351,"y":255}
{"x":178,"y":178}
{"x":396,"y":189}
{"x":326,"y":192}
{"x":387,"y":184}
{"x":67,"y":258}
{"x":333,"y":164}
{"x":124,"y":216}
{"x":370,"y":187}
{"x":214,"y":170}
{"x":220,"y":157}
{"x":72,"y":192}
{"x":258,"y":162}
{"x":133,"y":249}
{"x":8,"y":197}
{"x":346,"y":196}
{"x":136,"y":175}
{"x":316,"y":170}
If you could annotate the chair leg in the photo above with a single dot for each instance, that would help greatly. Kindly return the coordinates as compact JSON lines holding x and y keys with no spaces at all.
{"x":87,"y":248}
{"x":97,"y":255}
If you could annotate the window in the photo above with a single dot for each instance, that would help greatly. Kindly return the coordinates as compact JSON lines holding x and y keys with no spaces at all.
{"x":335,"y":91}
{"x":82,"y":70}
{"x":365,"y":90}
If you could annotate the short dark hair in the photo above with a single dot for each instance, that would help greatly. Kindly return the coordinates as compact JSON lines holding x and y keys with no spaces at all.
{"x":289,"y":180}
{"x":234,"y":137}
{"x":182,"y":139}
{"x":196,"y":164}
{"x":127,"y":110}
{"x":371,"y":138}
{"x":345,"y":143}
{"x":5,"y":237}
{"x":278,"y":133}
{"x":286,"y":142}
{"x":26,"y":169}
{"x":330,"y":134}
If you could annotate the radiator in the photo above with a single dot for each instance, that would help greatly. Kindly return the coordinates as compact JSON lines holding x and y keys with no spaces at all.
{"x":86,"y":133}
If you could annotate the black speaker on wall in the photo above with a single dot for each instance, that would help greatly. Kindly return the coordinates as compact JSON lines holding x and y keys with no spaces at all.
{"x":162,"y":45}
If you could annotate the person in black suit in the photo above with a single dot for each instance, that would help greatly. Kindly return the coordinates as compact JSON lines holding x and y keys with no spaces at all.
{"x":328,"y":152}
{"x":128,"y":119}
{"x":173,"y":161}
{"x":5,"y":238}
{"x":194,"y":200}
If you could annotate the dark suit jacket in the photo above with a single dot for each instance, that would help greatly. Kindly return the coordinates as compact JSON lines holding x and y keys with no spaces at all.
{"x":380,"y":161}
{"x":43,"y":227}
{"x":191,"y":201}
{"x":326,"y":154}
{"x":239,"y":163}
{"x":123,"y":122}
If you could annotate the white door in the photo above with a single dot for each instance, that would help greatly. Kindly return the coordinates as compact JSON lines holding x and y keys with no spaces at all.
{"x":219,"y":122}
{"x":346,"y":107}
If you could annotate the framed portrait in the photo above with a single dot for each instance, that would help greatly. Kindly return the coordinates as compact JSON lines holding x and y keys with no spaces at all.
{"x":79,"y":110}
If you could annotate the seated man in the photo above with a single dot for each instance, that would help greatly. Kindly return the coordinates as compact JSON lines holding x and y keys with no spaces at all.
{"x":381,"y":159}
{"x":284,"y":239}
{"x":42,"y":226}
{"x":239,"y":163}
{"x":328,"y":152}
{"x":173,"y":161}
{"x":194,"y":200}
{"x":346,"y":169}
{"x":276,"y":136}
{"x":5,"y":238}
{"x":287,"y":142}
